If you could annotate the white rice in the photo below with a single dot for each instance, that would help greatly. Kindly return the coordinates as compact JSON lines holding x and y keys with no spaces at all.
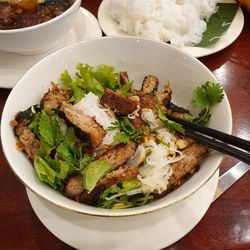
{"x":180,"y":22}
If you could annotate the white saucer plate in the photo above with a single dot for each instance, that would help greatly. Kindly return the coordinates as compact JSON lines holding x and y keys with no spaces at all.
{"x":144,"y":232}
{"x":110,"y":28}
{"x":13,"y":66}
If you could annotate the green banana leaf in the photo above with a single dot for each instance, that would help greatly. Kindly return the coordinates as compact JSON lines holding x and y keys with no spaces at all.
{"x":218,"y":24}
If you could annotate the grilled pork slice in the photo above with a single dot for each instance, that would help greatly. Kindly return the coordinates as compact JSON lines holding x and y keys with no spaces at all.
{"x":54,"y":98}
{"x":121,"y":174}
{"x":73,"y":186}
{"x":150,"y":84}
{"x":119,"y":103}
{"x":146,"y":101}
{"x":165,"y":95}
{"x":85,"y":123}
{"x":119,"y":154}
{"x":194,"y":153}
{"x":123,"y":77}
{"x":27,"y":140}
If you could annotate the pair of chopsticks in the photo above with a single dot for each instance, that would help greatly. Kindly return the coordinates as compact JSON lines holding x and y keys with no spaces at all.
{"x":222,"y":142}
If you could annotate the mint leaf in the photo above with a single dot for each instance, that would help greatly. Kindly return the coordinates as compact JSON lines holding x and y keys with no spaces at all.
{"x":64,"y":170}
{"x":65,"y":155}
{"x":45,"y":172}
{"x":49,"y":129}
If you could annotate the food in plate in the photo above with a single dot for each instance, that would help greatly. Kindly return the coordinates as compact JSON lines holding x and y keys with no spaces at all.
{"x":101,"y":142}
{"x":180,"y":22}
{"x":15,"y":14}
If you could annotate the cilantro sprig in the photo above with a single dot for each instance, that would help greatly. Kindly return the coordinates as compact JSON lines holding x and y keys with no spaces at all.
{"x":205,"y":97}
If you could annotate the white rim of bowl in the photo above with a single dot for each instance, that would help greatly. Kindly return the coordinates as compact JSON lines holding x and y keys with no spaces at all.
{"x":129,"y":211}
{"x":44,"y":24}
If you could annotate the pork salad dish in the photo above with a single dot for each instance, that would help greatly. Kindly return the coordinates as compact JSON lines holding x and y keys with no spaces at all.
{"x":99,"y":141}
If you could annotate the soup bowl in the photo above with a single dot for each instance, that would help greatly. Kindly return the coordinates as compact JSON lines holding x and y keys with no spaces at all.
{"x":41,"y":37}
{"x":139,"y":57}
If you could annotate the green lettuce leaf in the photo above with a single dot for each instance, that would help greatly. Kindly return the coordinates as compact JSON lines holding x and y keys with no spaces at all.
{"x":88,"y":82}
{"x":94,"y":172}
{"x":77,"y":92}
{"x":106,"y":75}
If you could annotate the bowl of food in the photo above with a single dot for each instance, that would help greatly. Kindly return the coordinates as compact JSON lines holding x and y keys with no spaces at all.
{"x":32,"y":27}
{"x":94,"y":137}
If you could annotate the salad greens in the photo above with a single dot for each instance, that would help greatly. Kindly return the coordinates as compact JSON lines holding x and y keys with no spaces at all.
{"x":116,"y":197}
{"x":90,"y":79}
{"x":61,"y":151}
{"x":128,"y":134}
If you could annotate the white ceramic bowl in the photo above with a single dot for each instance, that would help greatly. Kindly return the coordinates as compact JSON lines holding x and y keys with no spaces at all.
{"x":139,"y":57}
{"x":38,"y":38}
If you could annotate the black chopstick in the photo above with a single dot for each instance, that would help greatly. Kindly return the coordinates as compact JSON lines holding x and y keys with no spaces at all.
{"x":233,"y":140}
{"x":219,"y":146}
{"x":200,"y":134}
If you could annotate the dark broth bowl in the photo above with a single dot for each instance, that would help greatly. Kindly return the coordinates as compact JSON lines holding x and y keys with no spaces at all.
{"x":139,"y":57}
{"x":40,"y":37}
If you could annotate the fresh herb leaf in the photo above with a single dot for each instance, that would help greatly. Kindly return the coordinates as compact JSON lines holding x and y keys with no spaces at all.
{"x":205,"y":97}
{"x":123,"y":201}
{"x":106,"y":75}
{"x":122,"y":137}
{"x":49,"y":129}
{"x":88,"y":82}
{"x":128,"y":132}
{"x":66,"y":79}
{"x":87,"y":158}
{"x":64,"y":154}
{"x":45,"y":172}
{"x":171,"y":125}
{"x":77,"y":92}
{"x":94,"y":172}
{"x":35,"y":123}
{"x":218,"y":23}
{"x":127,"y":126}
{"x":115,"y":125}
{"x":44,"y":149}
{"x":64,"y":170}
